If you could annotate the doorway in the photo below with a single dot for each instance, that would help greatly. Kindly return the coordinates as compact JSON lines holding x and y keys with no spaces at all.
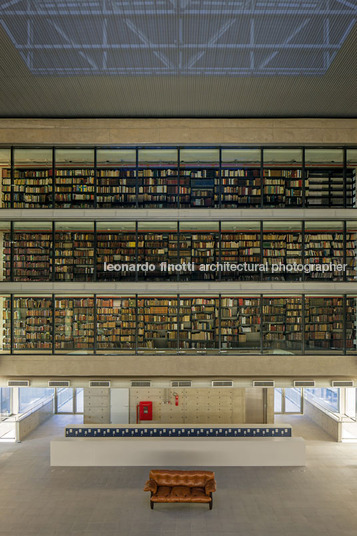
{"x":288,"y":401}
{"x":69,"y":401}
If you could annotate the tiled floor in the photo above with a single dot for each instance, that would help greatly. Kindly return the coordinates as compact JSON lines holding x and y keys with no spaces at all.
{"x":38,"y":500}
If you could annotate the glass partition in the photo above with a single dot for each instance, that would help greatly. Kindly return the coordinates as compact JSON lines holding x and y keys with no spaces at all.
{"x":5,"y":251}
{"x":74,"y":251}
{"x":157,"y":248}
{"x":30,"y":397}
{"x":5,"y":178}
{"x":32,"y":249}
{"x":324,"y":320}
{"x":282,"y":325}
{"x":32,"y":324}
{"x":116,"y":178}
{"x":324,"y":178}
{"x":351,"y":324}
{"x":74,"y":324}
{"x":240,"y":244}
{"x":351,"y":250}
{"x":157,"y":324}
{"x":199,"y":178}
{"x":116,"y":248}
{"x":324,"y":250}
{"x":199,"y":324}
{"x":158,"y":178}
{"x":282,"y":175}
{"x":351,"y":177}
{"x":282,"y":250}
{"x":5,"y":334}
{"x":240,"y":324}
{"x":116,"y":324}
{"x":240,"y":184}
{"x":75,"y":181}
{"x":199,"y":246}
{"x":32,"y":178}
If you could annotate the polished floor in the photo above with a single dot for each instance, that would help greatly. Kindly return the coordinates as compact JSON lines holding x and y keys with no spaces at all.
{"x":37,"y":500}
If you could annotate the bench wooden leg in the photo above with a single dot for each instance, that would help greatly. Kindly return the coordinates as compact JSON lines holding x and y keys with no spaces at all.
{"x":151,"y":505}
{"x":211,"y":503}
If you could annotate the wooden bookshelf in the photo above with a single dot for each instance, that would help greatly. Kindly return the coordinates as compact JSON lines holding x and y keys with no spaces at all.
{"x":199,"y":323}
{"x":282,"y":247}
{"x":240,"y":247}
{"x":32,"y":255}
{"x":157,"y":323}
{"x":282,"y":324}
{"x":325,"y":188}
{"x":75,"y":188}
{"x":31,"y":188}
{"x":158,"y":187}
{"x":32,"y":329}
{"x":5,"y":342}
{"x":115,"y":247}
{"x":74,"y":255}
{"x":156,"y":247}
{"x":240,"y":324}
{"x":199,"y":187}
{"x":201,"y":248}
{"x":351,"y":325}
{"x":323,"y":246}
{"x":240,"y":187}
{"x":116,"y":187}
{"x":74,"y":324}
{"x":351,"y":255}
{"x":324,"y":323}
{"x":283,"y":187}
{"x":116,"y":323}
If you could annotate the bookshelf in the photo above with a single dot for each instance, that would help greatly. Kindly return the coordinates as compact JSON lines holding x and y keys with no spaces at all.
{"x":282,"y":244}
{"x":116,"y":324}
{"x":116,"y":244}
{"x":240,"y":324}
{"x":32,"y":253}
{"x":75,"y":188}
{"x":324,"y":324}
{"x":74,"y":324}
{"x":282,"y":187}
{"x":324,"y":243}
{"x":158,"y":187}
{"x":199,"y":187}
{"x":351,"y":251}
{"x":240,"y":187}
{"x":239,"y":245}
{"x":282,"y":325}
{"x":116,"y":187}
{"x":5,"y":311}
{"x":31,"y":188}
{"x":351,"y":324}
{"x":200,"y":246}
{"x":157,"y":244}
{"x":199,"y":324}
{"x":157,"y":324}
{"x":32,"y":328}
{"x":74,"y":253}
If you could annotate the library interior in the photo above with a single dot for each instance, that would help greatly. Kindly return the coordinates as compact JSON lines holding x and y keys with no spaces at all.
{"x":178,"y":267}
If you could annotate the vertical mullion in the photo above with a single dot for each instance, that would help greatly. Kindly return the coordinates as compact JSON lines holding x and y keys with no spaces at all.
{"x":345,"y":177}
{"x":261,"y":178}
{"x":136,"y":250}
{"x":303,"y":244}
{"x":220,"y":179}
{"x":344,"y":249}
{"x":261,"y":325}
{"x":178,"y":179}
{"x":219,"y":249}
{"x":137,"y":179}
{"x":178,"y":248}
{"x":95,"y":252}
{"x":95,"y":323}
{"x":11,"y":323}
{"x":53,"y":324}
{"x":303,"y":177}
{"x":53,"y":177}
{"x":12,"y":177}
{"x":53,"y":278}
{"x":261,"y":275}
{"x":219,"y":322}
{"x":178,"y":324}
{"x":303,"y":324}
{"x":344,"y":324}
{"x":11,"y":251}
{"x":95,"y":179}
{"x":136,"y":324}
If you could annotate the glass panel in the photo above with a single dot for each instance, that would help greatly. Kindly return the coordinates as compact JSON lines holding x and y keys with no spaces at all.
{"x":240,"y":324}
{"x":5,"y":178}
{"x":282,"y":250}
{"x":326,"y":397}
{"x":278,"y":400}
{"x":79,"y":400}
{"x":32,"y":251}
{"x":199,"y":324}
{"x":293,"y":400}
{"x":32,"y":183}
{"x":65,"y":400}
{"x":240,"y":184}
{"x":29,"y":397}
{"x":5,"y":251}
{"x":324,"y":178}
{"x":116,"y":178}
{"x":74,"y":178}
{"x":282,"y":186}
{"x":74,"y":325}
{"x":351,"y":324}
{"x":74,"y":251}
{"x":240,"y":243}
{"x":116,"y":324}
{"x":116,"y":245}
{"x":351,"y":250}
{"x":157,"y":244}
{"x":157,"y":324}
{"x":199,"y":245}
{"x":5,"y":402}
{"x":199,"y":178}
{"x":32,"y":324}
{"x":324,"y":324}
{"x":324,"y":247}
{"x":282,"y":325}
{"x":5,"y":314}
{"x":158,"y":178}
{"x":351,"y":176}
{"x":352,"y":157}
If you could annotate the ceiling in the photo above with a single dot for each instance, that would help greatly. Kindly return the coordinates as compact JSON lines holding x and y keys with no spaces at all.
{"x":178,"y":58}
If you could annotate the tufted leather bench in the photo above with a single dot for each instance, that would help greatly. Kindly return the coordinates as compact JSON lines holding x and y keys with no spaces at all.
{"x":168,"y":486}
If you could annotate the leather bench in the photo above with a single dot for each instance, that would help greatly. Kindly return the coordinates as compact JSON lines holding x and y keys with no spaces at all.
{"x":167,"y":486}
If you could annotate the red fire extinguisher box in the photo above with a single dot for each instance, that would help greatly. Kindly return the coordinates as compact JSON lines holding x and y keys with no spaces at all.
{"x":145,"y":411}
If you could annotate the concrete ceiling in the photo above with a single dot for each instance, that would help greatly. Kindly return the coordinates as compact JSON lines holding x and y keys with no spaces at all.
{"x":178,"y":58}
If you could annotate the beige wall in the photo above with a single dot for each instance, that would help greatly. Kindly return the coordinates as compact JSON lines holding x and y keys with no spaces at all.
{"x":330,"y":425}
{"x":96,"y":406}
{"x":178,"y":131}
{"x":33,"y":420}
